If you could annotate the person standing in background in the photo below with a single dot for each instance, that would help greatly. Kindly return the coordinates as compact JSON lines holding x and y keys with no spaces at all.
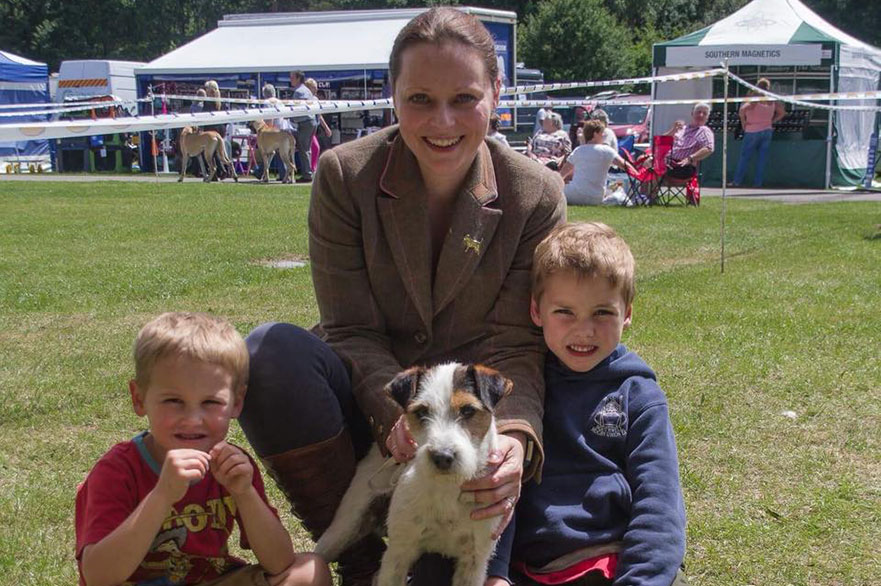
{"x":315,"y":148}
{"x":214,"y":104}
{"x":757,"y":120}
{"x":197,"y":105}
{"x":305,"y":127}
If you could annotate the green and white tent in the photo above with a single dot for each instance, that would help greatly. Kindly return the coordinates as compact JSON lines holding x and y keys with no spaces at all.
{"x":783,"y":38}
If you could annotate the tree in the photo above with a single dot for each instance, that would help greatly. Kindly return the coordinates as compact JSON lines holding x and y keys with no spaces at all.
{"x":575,"y":40}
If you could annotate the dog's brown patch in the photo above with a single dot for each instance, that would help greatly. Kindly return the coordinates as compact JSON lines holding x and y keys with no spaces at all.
{"x":414,"y":421}
{"x":475,"y":417}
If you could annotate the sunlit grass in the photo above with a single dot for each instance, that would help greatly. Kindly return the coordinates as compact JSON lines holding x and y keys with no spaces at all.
{"x":791,"y":325}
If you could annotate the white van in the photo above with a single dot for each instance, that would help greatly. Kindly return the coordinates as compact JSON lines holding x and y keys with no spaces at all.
{"x":97,"y":77}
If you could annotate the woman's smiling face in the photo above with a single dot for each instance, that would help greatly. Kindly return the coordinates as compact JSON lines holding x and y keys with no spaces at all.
{"x":443,"y":99}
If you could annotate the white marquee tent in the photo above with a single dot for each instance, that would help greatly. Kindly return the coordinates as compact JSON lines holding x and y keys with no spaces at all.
{"x":774,"y":36}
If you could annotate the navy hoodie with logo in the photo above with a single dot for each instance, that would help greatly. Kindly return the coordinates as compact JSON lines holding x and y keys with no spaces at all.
{"x":610,"y":474}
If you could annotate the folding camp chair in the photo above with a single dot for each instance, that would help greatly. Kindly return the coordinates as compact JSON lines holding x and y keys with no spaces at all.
{"x":645,"y":181}
{"x":654,"y":185}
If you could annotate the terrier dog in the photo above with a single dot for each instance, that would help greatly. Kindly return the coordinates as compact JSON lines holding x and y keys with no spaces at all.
{"x":449,"y":412}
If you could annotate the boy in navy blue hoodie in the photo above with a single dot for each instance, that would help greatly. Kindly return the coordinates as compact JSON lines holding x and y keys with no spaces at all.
{"x":609,"y":507}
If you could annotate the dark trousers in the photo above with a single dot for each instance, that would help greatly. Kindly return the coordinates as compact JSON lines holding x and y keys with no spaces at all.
{"x":299,"y":393}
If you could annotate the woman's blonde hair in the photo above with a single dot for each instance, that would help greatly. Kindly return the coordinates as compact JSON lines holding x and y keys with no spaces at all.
{"x":196,"y":336}
{"x":213,"y":91}
{"x":312,"y":85}
{"x":587,"y":249}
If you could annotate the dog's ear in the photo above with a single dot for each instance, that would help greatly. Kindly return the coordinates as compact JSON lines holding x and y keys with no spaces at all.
{"x":491,"y":385}
{"x":404,"y":385}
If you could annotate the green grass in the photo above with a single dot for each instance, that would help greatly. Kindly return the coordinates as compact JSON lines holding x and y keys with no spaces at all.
{"x":793,"y":323}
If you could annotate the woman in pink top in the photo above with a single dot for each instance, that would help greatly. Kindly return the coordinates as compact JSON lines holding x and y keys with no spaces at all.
{"x":757,"y":119}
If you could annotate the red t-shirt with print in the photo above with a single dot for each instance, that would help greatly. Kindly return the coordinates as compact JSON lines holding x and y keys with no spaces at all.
{"x":191,"y":546}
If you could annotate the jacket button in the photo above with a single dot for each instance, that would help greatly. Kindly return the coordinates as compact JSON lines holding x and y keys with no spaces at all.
{"x":420,"y":337}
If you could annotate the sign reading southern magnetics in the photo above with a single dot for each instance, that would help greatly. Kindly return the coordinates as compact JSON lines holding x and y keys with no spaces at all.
{"x":712,"y":55}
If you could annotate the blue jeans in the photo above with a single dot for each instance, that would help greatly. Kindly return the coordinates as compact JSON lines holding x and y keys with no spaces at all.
{"x":754,"y":142}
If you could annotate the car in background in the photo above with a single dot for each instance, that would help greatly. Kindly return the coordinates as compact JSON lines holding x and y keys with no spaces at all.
{"x":626,"y":119}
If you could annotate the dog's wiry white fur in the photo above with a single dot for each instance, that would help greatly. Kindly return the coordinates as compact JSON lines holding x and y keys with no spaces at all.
{"x":427,"y":512}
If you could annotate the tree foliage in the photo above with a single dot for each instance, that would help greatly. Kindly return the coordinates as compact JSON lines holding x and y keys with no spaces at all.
{"x":566,"y":38}
{"x":575,"y":39}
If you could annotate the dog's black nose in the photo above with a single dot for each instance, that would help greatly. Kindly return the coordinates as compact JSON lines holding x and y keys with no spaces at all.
{"x":442,"y":459}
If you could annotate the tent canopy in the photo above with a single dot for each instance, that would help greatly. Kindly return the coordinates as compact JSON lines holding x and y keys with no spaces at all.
{"x":326,"y":41}
{"x":23,"y":81}
{"x":781,"y":33}
{"x":14,"y":68}
{"x":768,"y":22}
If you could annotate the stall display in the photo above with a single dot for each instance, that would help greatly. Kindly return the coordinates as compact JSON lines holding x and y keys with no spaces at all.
{"x":787,"y":43}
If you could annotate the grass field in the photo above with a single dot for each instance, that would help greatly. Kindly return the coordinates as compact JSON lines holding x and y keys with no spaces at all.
{"x":793,"y":324}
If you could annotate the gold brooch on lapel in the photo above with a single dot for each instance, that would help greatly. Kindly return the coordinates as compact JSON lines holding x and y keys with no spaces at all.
{"x":471,"y":244}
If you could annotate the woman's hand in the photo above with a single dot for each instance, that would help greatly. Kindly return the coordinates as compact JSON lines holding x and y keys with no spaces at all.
{"x":400,"y":443}
{"x":499,"y":489}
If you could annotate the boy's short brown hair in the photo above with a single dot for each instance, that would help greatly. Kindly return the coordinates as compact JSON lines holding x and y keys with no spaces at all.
{"x":197,"y":336}
{"x":590,"y":128}
{"x":588,"y":249}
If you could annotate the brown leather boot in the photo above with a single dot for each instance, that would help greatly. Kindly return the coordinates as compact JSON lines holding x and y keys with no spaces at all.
{"x":314,"y":479}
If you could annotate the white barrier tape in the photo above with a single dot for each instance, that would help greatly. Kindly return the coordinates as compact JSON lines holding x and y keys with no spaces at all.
{"x":195,"y":98}
{"x":68,"y":129}
{"x":798,"y":100}
{"x":56,"y":105}
{"x":94,"y":106}
{"x":530,"y":89}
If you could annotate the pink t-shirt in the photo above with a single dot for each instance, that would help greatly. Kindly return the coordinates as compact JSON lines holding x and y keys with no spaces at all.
{"x":758,"y":116}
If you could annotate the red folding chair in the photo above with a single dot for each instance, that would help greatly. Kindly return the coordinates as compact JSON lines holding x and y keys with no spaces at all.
{"x":646,"y":181}
{"x":654,"y":185}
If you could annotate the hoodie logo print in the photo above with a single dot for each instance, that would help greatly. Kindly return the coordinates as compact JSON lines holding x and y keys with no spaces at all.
{"x":610,"y":420}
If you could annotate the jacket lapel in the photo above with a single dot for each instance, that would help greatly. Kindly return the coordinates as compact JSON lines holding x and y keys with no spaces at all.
{"x":471,"y":231}
{"x":404,"y":218}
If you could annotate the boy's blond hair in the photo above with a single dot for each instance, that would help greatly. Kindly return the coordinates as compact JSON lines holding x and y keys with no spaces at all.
{"x":588,"y":249}
{"x":197,"y":336}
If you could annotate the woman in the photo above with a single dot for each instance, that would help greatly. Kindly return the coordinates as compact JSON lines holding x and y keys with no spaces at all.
{"x":316,"y":148}
{"x":588,"y":167}
{"x":494,"y":131}
{"x":421,"y":238}
{"x":692,"y":143}
{"x":757,"y":120}
{"x":609,"y":137}
{"x":575,"y":136}
{"x":550,"y":146}
{"x":214,"y":104}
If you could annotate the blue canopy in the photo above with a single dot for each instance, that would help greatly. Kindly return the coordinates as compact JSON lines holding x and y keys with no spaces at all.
{"x":23,"y":81}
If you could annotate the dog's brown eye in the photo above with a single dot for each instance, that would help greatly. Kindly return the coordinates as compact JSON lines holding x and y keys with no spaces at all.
{"x":467,"y":411}
{"x":421,"y":413}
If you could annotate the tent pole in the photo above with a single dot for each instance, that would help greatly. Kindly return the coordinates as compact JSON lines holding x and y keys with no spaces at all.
{"x":724,"y":163}
{"x":153,"y":134}
{"x":829,"y":128}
